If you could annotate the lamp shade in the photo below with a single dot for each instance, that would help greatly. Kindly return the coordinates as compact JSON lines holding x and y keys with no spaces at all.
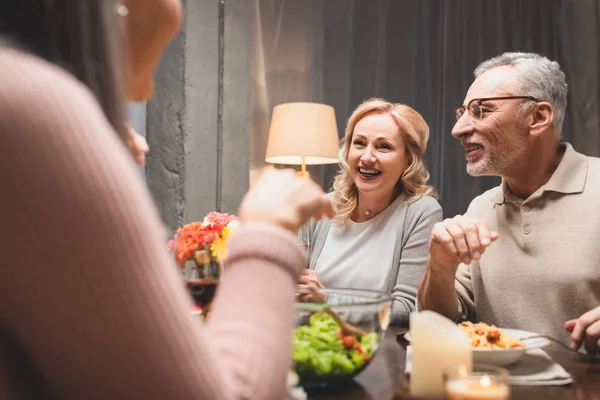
{"x":302,"y":131}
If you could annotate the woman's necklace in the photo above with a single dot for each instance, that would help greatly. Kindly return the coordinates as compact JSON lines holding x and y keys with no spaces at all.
{"x":369,"y":213}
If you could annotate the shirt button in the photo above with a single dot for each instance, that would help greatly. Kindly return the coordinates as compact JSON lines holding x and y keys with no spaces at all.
{"x":526,"y":208}
{"x":527,"y":229}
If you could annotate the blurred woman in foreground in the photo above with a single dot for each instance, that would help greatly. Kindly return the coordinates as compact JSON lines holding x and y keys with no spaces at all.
{"x":92,"y":306}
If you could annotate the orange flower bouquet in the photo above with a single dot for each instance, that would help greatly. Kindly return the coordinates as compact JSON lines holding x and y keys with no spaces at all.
{"x":200,"y":249}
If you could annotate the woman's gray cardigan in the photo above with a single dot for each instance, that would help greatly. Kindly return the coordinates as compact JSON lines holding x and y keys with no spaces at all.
{"x":410,"y":253}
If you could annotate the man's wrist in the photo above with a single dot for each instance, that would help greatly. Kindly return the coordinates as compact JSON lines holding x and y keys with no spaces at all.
{"x":441,"y":269}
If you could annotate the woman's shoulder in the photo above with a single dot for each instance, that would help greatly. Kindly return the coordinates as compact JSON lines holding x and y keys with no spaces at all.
{"x":426,"y":202}
{"x":425,"y":205}
{"x":30,"y":85}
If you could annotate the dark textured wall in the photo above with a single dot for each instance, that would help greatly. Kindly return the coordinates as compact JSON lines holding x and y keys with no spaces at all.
{"x":197,"y":121}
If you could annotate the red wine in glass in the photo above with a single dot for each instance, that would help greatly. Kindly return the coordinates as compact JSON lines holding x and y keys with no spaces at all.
{"x":202,"y":291}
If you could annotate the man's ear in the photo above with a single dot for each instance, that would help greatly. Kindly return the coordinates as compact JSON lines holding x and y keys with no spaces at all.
{"x":543,"y":116}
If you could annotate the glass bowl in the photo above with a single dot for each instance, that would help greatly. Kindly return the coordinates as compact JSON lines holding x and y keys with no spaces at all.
{"x":323,"y":354}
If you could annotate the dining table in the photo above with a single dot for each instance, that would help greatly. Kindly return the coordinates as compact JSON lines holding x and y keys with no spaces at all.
{"x":385,"y":378}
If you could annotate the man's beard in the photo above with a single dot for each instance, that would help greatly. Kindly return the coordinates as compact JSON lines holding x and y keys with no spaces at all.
{"x":482,"y":167}
{"x":494,"y":164}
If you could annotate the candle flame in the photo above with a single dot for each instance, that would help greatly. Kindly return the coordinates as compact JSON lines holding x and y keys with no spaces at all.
{"x":485,"y":381}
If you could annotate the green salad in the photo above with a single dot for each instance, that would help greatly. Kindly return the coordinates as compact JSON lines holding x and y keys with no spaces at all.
{"x":321,"y":350}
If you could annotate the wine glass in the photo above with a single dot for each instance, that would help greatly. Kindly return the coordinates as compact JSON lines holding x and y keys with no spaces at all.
{"x":200,"y":272}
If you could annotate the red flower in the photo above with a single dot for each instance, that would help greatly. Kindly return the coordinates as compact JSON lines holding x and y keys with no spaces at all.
{"x":220,"y":220}
{"x":195,"y":235}
{"x":205,"y":236}
{"x":186,"y":244}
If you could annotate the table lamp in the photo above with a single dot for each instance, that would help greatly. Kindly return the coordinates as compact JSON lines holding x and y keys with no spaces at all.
{"x":302,"y":134}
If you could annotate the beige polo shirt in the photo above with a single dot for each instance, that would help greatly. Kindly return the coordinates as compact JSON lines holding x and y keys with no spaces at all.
{"x":544,"y":269}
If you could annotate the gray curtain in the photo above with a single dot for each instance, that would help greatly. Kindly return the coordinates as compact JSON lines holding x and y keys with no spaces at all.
{"x":421,"y":53}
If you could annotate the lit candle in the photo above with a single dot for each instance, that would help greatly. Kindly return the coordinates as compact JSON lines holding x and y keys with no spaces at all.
{"x":439,"y":347}
{"x":481,"y":388}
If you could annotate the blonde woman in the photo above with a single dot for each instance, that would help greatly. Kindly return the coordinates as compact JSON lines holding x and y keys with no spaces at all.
{"x":385,"y":210}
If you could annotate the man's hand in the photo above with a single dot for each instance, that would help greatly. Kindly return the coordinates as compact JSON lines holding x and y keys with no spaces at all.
{"x":453,"y":241}
{"x":586,"y":330}
{"x":459,"y":240}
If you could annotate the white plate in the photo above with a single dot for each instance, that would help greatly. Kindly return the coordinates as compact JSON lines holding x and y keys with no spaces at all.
{"x":504,"y":357}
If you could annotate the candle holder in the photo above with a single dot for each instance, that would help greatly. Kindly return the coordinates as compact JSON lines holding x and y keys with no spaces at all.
{"x":484,"y":382}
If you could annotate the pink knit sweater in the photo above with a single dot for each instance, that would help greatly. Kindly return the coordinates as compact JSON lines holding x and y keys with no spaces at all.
{"x":91,"y":303}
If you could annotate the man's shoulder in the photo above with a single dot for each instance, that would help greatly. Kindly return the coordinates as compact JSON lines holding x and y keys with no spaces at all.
{"x":592,"y":181}
{"x":593,"y":164}
{"x":489,"y":194}
{"x":484,"y":202}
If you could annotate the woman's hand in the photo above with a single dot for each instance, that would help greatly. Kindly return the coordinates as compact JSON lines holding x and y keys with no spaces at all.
{"x":309,"y":277}
{"x":137,"y":145}
{"x":281,"y":198}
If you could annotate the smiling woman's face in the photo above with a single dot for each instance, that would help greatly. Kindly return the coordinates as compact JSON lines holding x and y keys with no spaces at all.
{"x":377,"y":155}
{"x":148,"y":27}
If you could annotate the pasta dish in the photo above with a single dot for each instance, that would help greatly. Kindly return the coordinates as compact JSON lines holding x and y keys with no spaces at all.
{"x":484,"y":336}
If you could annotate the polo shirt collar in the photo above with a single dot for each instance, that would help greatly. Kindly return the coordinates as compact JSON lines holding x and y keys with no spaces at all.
{"x":568,"y":178}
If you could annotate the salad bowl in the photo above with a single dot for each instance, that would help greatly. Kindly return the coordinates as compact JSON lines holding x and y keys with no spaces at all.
{"x":326,"y":352}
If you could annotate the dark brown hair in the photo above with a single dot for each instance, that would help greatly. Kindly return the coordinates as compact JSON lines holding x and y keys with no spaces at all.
{"x":79,"y":36}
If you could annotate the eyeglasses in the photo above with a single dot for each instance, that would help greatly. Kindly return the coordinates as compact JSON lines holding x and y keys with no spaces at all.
{"x":475,"y":109}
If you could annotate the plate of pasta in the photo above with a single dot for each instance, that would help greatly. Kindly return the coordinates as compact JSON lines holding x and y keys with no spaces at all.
{"x":497,"y":346}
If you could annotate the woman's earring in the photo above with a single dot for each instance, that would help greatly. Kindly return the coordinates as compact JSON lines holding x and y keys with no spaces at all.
{"x":121,"y":9}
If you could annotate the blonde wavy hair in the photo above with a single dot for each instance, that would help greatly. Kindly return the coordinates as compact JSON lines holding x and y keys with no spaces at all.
{"x":413,"y":182}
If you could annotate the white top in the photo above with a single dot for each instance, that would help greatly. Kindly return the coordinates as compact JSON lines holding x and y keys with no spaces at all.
{"x":359,"y":255}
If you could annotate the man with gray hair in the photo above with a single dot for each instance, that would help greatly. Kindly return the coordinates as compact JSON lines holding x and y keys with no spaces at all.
{"x":526,"y":254}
